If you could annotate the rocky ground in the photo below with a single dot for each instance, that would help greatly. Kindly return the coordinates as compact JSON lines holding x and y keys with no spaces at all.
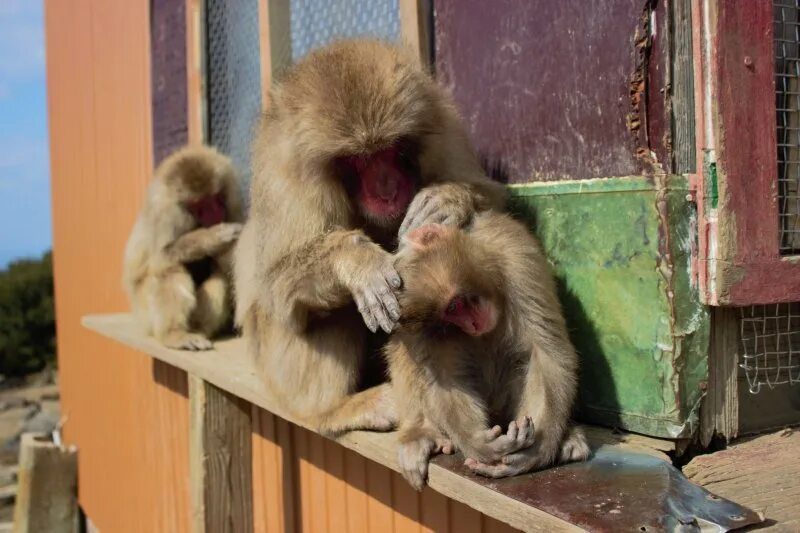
{"x":28,"y":404}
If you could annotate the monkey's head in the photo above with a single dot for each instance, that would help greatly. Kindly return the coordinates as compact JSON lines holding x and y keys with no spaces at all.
{"x":449,"y":288}
{"x":202,"y":182}
{"x":367,"y":113}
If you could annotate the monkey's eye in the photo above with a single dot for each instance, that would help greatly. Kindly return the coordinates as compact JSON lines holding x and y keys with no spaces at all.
{"x":455,"y":306}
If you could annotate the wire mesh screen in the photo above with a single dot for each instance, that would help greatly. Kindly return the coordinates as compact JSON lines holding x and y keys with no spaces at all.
{"x":318,"y":22}
{"x":233,"y":78}
{"x":770,"y":345}
{"x":787,"y":103}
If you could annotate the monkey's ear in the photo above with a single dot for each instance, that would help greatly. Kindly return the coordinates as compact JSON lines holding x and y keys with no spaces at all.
{"x":424,"y":236}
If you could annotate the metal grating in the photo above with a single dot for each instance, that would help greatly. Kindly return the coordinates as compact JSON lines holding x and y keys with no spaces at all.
{"x":786,"y":39}
{"x":233,"y":78}
{"x":315,"y":23}
{"x":770,"y":345}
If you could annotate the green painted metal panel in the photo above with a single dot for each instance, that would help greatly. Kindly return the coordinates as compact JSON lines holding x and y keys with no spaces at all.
{"x":621,"y":248}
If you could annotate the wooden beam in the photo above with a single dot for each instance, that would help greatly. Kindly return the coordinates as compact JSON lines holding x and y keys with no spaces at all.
{"x":275,"y":42}
{"x":196,"y":71}
{"x":220,"y":462}
{"x":415,"y":27}
{"x":719,"y":413}
{"x":47,"y":497}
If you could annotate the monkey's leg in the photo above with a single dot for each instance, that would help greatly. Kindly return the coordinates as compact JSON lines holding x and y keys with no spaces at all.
{"x":173,"y":301}
{"x":213,"y":309}
{"x":371,"y":409}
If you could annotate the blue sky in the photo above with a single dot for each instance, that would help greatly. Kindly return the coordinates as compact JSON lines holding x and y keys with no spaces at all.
{"x":24,"y":158}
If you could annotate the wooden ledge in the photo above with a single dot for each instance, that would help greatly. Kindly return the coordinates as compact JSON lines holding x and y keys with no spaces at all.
{"x":627,"y":485}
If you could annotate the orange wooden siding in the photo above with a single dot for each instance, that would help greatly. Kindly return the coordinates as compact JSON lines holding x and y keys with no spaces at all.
{"x":327,"y":488}
{"x":129,"y":416}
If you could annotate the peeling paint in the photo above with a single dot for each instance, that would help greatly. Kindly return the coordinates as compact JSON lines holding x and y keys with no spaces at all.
{"x":620,"y":249}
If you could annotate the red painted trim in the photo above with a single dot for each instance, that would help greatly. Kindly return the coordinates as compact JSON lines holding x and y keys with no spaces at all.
{"x":743,"y":91}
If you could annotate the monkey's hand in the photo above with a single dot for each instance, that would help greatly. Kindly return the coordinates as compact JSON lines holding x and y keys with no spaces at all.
{"x":446,"y":203}
{"x":225,"y":233}
{"x":491,"y":445}
{"x":373,"y":280}
{"x":573,"y":448}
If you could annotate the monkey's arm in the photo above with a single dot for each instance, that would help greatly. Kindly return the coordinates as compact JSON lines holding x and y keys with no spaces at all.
{"x":332,"y":270}
{"x":201,"y":242}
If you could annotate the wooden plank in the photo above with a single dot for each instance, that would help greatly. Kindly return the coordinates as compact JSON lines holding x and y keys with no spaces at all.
{"x":275,"y":42}
{"x":415,"y":27}
{"x":745,"y":265}
{"x":719,"y":413}
{"x":230,"y":368}
{"x":47,"y":491}
{"x":196,"y":71}
{"x":683,"y":107}
{"x":762,"y":473}
{"x":220,"y":460}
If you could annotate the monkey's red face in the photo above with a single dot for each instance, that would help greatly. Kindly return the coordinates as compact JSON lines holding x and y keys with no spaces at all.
{"x":384,"y":186}
{"x":208,"y":210}
{"x":474,"y":315}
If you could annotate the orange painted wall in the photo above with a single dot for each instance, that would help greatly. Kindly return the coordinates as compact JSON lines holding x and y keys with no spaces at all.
{"x":128,"y":417}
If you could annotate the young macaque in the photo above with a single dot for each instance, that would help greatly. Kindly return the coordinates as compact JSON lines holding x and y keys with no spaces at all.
{"x":358,"y":142}
{"x":177,"y":262}
{"x":481,"y":341}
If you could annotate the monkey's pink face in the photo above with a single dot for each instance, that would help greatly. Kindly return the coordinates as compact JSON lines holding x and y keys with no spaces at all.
{"x":474,"y":315}
{"x":208,"y":210}
{"x":443,"y":283}
{"x":385,"y":186}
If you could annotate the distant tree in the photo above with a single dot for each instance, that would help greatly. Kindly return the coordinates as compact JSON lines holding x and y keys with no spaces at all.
{"x":27,"y":317}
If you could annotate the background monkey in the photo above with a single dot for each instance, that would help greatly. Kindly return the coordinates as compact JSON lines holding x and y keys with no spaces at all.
{"x":357,"y":143}
{"x":482,"y":341}
{"x":176,"y":268}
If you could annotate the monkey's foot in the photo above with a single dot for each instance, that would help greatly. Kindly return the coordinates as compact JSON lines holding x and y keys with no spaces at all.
{"x":575,"y":447}
{"x":444,"y":445}
{"x":187,"y":341}
{"x":494,"y":444}
{"x":412,"y":459}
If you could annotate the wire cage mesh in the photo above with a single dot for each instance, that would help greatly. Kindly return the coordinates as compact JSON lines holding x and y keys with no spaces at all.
{"x":318,"y":22}
{"x":770,"y":336}
{"x":786,"y":40}
{"x":233,"y":76}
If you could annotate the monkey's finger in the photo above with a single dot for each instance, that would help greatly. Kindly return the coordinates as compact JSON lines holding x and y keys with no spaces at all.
{"x":366,"y":314}
{"x":378,"y":312}
{"x":493,"y":433}
{"x":390,"y":303}
{"x":526,"y":435}
{"x":487,"y":470}
{"x":392,"y":277}
{"x":512,"y":430}
{"x":417,"y":204}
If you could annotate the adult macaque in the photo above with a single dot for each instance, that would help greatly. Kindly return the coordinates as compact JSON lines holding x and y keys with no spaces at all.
{"x":482,"y":341}
{"x":358,"y":143}
{"x":176,"y":269}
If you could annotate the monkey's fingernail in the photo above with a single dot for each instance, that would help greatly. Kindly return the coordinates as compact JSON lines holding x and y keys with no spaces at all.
{"x":396,"y":282}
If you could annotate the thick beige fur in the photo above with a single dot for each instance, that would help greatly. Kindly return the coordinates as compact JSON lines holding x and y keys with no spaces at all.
{"x":305,"y":248}
{"x":166,"y":241}
{"x":449,"y":384}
